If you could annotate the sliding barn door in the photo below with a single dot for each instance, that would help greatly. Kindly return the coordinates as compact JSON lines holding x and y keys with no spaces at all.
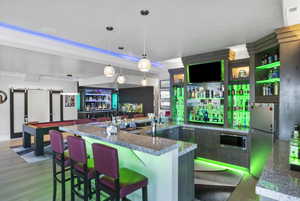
{"x":38,"y":106}
{"x":56,"y":107}
{"x":18,"y":112}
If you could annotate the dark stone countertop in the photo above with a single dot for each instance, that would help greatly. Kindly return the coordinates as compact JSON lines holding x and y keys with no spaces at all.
{"x":277,"y":181}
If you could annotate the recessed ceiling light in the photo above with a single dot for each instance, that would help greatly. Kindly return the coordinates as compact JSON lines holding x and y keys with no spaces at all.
{"x":109,"y":28}
{"x":144,"y":12}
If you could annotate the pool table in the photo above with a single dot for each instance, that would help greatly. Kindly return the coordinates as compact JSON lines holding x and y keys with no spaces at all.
{"x":38,"y":130}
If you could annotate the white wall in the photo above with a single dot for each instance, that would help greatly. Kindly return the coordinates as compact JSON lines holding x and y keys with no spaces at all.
{"x":18,"y":80}
{"x":291,"y":12}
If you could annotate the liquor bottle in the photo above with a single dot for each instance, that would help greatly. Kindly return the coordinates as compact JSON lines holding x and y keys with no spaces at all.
{"x":276,"y":88}
{"x":264,"y":89}
{"x":266,"y":59}
{"x":270,"y":74}
{"x":233,"y":91}
{"x":270,"y":59}
{"x":241,"y":92}
{"x":263,"y":60}
{"x":211,"y":93}
{"x":294,"y":147}
{"x":222,"y":91}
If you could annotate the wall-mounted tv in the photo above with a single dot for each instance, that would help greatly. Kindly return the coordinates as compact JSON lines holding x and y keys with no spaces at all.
{"x":206,"y":72}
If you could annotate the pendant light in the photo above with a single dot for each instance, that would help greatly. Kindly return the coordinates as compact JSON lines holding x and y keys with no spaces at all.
{"x":144,"y":64}
{"x":121,"y":79}
{"x":109,"y":70}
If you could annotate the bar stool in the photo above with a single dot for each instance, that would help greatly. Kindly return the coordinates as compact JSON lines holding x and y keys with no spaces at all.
{"x":118,"y":183}
{"x":60,"y":158}
{"x":81,"y":167}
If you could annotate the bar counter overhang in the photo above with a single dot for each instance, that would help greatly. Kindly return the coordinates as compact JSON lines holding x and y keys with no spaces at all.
{"x":157,"y":158}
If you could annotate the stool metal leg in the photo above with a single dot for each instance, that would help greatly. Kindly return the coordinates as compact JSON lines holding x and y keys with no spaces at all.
{"x":97,"y":188}
{"x":86,"y":188}
{"x":145,"y":193}
{"x":63,"y":182}
{"x":72,"y":185}
{"x":54,"y":178}
{"x":90,"y":189}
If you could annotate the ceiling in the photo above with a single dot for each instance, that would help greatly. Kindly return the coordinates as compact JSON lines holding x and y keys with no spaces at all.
{"x":17,"y":60}
{"x":174,"y":28}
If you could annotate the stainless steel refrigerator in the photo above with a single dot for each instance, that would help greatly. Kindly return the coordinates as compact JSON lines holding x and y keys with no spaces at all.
{"x":263,"y":132}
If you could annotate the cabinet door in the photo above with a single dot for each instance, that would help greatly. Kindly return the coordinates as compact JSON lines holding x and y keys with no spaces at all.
{"x":173,"y":133}
{"x":208,"y":143}
{"x":187,"y":135}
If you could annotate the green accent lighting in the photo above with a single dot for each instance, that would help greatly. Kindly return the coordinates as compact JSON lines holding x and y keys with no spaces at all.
{"x":268,"y":66}
{"x":219,"y":164}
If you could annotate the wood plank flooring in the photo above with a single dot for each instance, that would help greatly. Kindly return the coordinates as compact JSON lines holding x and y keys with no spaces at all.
{"x":20,"y":181}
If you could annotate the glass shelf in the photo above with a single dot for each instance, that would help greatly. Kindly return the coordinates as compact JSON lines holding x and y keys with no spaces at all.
{"x":207,"y":122}
{"x":268,"y":81}
{"x":268,"y":66}
{"x":191,"y":99}
{"x":97,"y":101}
{"x":96,"y":94}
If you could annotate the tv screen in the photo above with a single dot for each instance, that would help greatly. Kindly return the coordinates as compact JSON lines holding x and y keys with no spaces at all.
{"x":207,"y":72}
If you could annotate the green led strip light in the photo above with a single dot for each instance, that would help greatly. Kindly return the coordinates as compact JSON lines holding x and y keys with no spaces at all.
{"x":268,"y":81}
{"x":222,"y":70}
{"x":219,"y":164}
{"x":268,"y":66}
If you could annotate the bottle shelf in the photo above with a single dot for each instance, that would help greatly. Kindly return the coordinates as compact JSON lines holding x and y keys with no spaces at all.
{"x":207,"y":122}
{"x":272,"y":80}
{"x":97,"y":101}
{"x":192,"y":99}
{"x":97,"y":94}
{"x":268,"y":66}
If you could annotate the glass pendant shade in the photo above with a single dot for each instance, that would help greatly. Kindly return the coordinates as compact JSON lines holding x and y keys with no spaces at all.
{"x":109,"y":71}
{"x":121,"y":79}
{"x":144,"y":65}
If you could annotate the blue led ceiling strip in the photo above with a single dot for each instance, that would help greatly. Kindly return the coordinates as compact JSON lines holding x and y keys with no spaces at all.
{"x":73,"y":43}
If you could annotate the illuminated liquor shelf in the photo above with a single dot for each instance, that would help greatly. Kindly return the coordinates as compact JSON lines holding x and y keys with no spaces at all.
{"x":268,"y":66}
{"x":273,"y":80}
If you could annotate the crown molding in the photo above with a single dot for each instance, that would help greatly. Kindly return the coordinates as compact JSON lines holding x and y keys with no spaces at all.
{"x":288,"y":34}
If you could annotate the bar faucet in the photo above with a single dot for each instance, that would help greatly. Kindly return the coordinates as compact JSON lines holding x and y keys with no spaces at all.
{"x":153,"y":124}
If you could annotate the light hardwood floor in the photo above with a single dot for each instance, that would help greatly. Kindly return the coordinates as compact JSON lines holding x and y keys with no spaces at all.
{"x":20,"y":181}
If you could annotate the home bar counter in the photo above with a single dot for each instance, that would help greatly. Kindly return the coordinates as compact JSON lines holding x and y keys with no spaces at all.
{"x":168,"y":164}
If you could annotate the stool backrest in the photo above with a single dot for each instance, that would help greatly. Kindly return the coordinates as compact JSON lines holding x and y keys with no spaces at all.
{"x":57,"y":142}
{"x":106,"y":160}
{"x":77,"y":150}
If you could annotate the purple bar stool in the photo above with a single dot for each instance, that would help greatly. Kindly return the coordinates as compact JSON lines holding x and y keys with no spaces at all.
{"x":80,"y":168}
{"x":118,"y":183}
{"x":60,"y":158}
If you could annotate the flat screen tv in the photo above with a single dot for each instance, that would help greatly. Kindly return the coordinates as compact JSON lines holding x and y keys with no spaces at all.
{"x":206,"y":72}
